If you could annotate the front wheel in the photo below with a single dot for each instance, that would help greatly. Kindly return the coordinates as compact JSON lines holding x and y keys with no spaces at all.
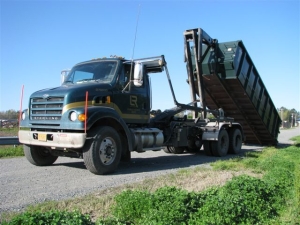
{"x":39,"y":156}
{"x":102,"y":154}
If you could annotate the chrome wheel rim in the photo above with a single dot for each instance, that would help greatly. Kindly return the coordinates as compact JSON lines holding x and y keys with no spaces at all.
{"x":107,"y":151}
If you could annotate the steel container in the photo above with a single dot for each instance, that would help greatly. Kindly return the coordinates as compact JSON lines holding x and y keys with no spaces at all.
{"x":234,"y":84}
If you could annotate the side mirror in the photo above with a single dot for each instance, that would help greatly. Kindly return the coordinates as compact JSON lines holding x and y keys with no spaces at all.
{"x":64,"y":74}
{"x":138,"y":74}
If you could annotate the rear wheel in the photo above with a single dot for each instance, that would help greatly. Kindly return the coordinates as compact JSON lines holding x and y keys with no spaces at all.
{"x":39,"y":156}
{"x":192,"y":147}
{"x":102,"y":154}
{"x":166,"y":150}
{"x":220,"y":147}
{"x":176,"y":150}
{"x":235,"y":141}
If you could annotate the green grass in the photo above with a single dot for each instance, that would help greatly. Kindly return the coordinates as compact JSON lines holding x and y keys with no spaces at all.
{"x":9,"y":151}
{"x":5,"y":132}
{"x":281,"y":168}
{"x":263,"y":187}
{"x":296,"y":140}
{"x":53,"y":217}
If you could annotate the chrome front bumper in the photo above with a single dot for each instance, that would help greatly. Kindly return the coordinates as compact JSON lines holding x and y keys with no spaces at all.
{"x":52,"y":139}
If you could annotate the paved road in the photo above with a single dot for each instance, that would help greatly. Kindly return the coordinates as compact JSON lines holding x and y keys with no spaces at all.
{"x":285,"y":135}
{"x":22,"y":183}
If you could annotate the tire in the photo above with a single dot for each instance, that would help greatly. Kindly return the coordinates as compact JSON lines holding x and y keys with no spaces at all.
{"x":207,"y":148}
{"x":102,"y":154}
{"x":126,"y":157}
{"x":166,"y":150}
{"x":192,"y":147}
{"x":220,"y":147}
{"x":176,"y":150}
{"x":235,"y":141}
{"x":126,"y":154}
{"x":38,"y":156}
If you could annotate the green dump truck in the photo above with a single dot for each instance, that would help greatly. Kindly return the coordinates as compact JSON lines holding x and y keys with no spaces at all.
{"x":102,"y":110}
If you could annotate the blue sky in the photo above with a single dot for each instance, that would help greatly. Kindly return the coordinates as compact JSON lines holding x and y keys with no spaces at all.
{"x":41,"y":38}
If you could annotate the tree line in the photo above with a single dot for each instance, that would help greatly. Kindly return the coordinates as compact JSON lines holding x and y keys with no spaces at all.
{"x":9,"y":115}
{"x":288,"y":114}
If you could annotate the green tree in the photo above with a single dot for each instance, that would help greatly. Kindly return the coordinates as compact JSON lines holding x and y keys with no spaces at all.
{"x":288,"y":116}
{"x":9,"y":115}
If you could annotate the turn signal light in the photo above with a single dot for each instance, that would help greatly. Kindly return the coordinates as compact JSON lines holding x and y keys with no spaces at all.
{"x":107,"y":99}
{"x":81,"y":117}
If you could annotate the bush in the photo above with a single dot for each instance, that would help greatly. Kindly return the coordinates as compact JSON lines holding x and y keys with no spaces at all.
{"x":243,"y":200}
{"x":112,"y":221}
{"x":50,"y":218}
{"x":168,"y":205}
{"x":132,"y":205}
{"x":171,"y":205}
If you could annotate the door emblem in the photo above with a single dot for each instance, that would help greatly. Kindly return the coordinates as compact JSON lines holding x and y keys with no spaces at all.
{"x":133,"y":101}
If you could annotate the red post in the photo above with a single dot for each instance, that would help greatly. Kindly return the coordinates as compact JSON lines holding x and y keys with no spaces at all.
{"x":21,"y":101}
{"x":85,"y":109}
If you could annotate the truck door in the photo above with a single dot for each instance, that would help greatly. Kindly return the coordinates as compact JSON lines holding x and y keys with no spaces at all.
{"x":131,"y":102}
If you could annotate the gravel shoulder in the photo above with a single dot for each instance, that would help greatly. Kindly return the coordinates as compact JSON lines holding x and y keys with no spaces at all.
{"x":23,"y":184}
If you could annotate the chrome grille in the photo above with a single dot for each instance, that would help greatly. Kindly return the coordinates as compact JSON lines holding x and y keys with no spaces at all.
{"x":46,"y":108}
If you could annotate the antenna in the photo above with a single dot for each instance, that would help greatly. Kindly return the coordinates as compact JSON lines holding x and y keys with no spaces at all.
{"x":136,"y":27}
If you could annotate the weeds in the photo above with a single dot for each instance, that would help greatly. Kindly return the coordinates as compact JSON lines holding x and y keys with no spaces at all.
{"x":268,"y":194}
{"x":51,"y":218}
{"x":9,"y":151}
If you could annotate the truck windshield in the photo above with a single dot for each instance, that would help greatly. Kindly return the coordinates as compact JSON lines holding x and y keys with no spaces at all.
{"x":102,"y":72}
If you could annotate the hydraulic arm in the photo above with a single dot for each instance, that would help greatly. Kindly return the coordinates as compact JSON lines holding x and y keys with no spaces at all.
{"x":194,"y":40}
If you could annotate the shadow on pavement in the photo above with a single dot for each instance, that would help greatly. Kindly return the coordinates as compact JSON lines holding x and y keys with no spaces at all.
{"x":163,"y":162}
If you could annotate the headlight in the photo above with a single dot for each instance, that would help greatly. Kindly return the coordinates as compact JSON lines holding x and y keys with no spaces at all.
{"x":23,"y":116}
{"x":73,"y":116}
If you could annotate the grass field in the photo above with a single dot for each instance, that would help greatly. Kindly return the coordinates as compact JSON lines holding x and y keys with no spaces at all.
{"x":7,"y":151}
{"x":7,"y":132}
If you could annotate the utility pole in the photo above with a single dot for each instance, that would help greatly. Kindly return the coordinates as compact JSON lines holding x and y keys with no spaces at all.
{"x":281,"y":111}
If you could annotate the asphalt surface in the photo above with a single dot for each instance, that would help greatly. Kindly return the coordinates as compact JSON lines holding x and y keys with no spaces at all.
{"x":22,"y":184}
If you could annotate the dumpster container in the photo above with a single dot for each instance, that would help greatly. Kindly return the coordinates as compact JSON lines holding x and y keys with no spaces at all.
{"x":237,"y":87}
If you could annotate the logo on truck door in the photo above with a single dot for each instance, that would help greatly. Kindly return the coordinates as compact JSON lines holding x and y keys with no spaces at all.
{"x":133,"y":101}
